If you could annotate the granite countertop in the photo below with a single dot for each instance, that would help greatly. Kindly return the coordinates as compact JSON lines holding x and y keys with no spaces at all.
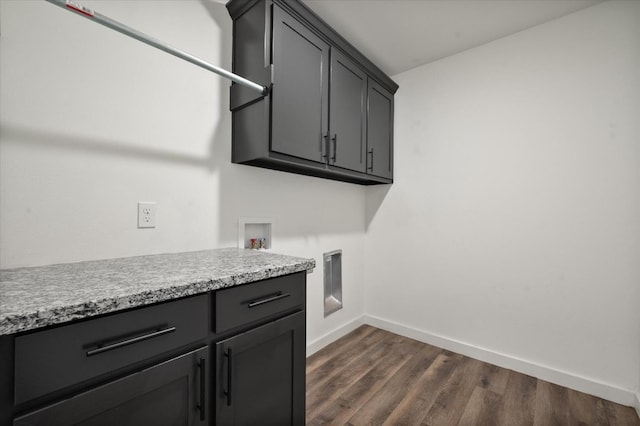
{"x":40,"y":296}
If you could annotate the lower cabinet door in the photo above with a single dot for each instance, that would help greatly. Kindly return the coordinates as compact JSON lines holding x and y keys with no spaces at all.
{"x":171,"y":393}
{"x":261,"y":375}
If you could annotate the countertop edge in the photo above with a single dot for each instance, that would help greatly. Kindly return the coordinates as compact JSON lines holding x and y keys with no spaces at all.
{"x":17,"y":323}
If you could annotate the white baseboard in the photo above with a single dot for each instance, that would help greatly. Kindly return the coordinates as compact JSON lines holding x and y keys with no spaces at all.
{"x":638,"y":403}
{"x":562,"y":378}
{"x":333,"y":335}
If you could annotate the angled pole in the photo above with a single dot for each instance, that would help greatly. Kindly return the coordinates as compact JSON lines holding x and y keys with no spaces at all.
{"x":94,"y":16}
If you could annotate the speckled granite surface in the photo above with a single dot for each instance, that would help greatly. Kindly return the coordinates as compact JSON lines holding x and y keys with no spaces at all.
{"x":47,"y":295}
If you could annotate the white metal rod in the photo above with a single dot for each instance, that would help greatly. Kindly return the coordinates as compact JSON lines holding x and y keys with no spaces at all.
{"x":121,"y":28}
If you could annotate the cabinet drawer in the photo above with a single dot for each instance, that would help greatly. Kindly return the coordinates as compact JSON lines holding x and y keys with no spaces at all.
{"x":50,"y":360}
{"x":264,"y":299}
{"x":168,"y":393}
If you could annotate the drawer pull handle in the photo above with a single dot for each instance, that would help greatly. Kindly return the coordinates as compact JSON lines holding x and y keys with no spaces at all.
{"x":201,"y":405}
{"x":228,"y":355}
{"x":112,"y":346}
{"x":268,"y":299}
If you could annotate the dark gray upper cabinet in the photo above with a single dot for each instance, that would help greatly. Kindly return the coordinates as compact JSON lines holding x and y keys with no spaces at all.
{"x":300,"y":89}
{"x":380,"y":131}
{"x":347,"y":135}
{"x":317,"y":118}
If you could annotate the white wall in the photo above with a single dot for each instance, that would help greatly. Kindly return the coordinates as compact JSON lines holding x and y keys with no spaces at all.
{"x":92,"y":122}
{"x":512,"y":230}
{"x":512,"y":227}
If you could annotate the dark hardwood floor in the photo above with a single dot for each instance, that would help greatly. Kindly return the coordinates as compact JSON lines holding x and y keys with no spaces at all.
{"x":372,"y":377}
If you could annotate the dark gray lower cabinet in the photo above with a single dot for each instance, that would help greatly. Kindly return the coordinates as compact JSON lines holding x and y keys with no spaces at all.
{"x":87,"y":350}
{"x":262,"y":375}
{"x":173,"y":393}
{"x":231,"y":356}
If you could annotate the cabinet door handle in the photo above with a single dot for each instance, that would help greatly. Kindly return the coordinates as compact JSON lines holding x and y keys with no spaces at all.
{"x":334,"y":139}
{"x":228,"y":355}
{"x":267,"y":299}
{"x":203,"y":388}
{"x":105,"y":348}
{"x":370,"y":152}
{"x":324,"y":145}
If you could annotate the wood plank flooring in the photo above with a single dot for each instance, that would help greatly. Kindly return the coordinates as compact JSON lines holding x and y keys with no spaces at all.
{"x":373,"y":377}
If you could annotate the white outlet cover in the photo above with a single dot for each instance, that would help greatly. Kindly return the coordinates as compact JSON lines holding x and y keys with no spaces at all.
{"x":146,"y":214}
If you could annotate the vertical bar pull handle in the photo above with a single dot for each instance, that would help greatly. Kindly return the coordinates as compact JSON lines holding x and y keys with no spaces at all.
{"x":370,"y":152}
{"x":203,"y":387}
{"x":229,"y":356}
{"x":334,"y":139}
{"x":324,"y":145}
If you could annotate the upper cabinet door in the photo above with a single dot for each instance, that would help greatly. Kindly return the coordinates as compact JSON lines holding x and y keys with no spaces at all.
{"x":300,"y":89}
{"x":380,"y":131}
{"x":347,"y":136}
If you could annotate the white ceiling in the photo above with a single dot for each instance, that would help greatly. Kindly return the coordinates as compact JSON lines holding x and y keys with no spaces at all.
{"x":398,"y":35}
